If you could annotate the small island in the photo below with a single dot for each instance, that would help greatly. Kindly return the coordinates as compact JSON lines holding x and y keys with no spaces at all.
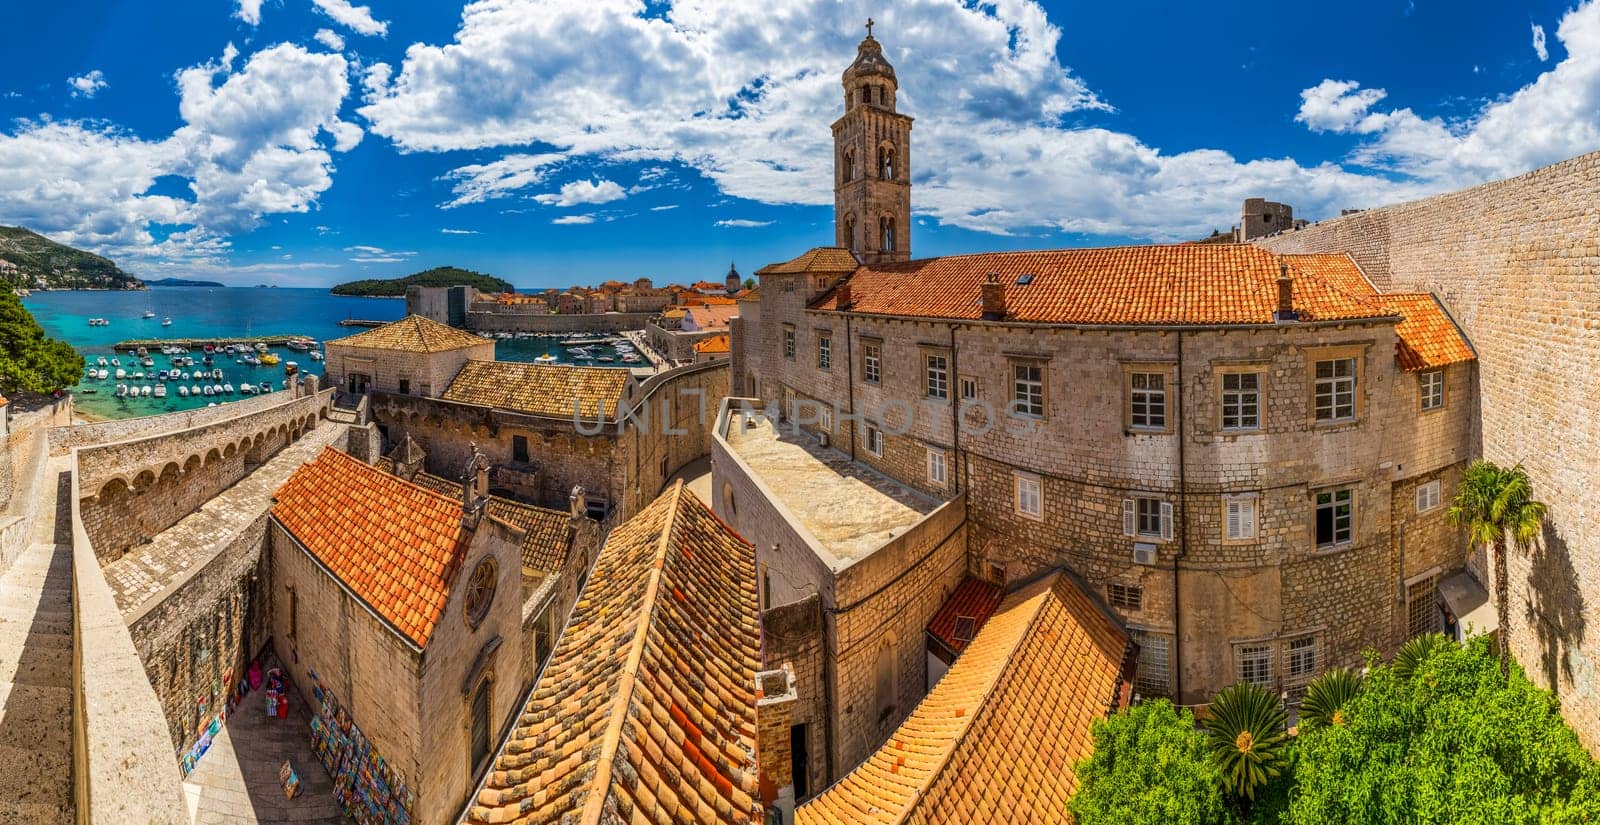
{"x":438,"y":276}
{"x":181,"y":282}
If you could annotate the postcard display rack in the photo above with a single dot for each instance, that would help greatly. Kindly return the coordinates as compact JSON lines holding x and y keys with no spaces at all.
{"x":371,"y":792}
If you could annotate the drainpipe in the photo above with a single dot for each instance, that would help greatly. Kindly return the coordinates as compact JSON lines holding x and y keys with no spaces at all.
{"x":955,"y":413}
{"x":1183,"y":537}
{"x":849,"y":384}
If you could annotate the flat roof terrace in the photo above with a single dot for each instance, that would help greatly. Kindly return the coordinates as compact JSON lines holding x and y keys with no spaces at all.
{"x":850,"y":509}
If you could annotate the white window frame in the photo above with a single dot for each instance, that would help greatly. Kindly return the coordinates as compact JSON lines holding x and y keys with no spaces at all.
{"x":1136,"y":512}
{"x":1239,"y":517}
{"x":872,"y":363}
{"x":874,"y":441}
{"x":825,"y":417}
{"x":936,"y":375}
{"x":788,"y":343}
{"x":1345,"y":496}
{"x":824,"y":351}
{"x":1255,"y":664}
{"x":1027,"y":393}
{"x":1428,"y":496}
{"x":1147,"y":405}
{"x":1430,"y":389}
{"x":938,"y":467}
{"x":1027,"y":495}
{"x":1302,"y":657}
{"x":1241,"y":405}
{"x":1335,"y":396}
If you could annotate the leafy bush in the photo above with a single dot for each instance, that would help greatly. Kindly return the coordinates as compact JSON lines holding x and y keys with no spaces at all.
{"x":1149,"y":767}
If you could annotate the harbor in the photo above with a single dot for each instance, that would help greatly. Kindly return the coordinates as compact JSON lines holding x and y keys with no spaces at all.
{"x":158,"y":344}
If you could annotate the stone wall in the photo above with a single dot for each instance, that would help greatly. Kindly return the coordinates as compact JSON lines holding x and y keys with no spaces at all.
{"x":399,"y":371}
{"x":1516,"y":263}
{"x":676,"y":344}
{"x":491,"y":318}
{"x":64,"y":438}
{"x":671,"y":426}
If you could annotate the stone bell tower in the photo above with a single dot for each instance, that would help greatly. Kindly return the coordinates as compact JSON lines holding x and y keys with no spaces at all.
{"x":872,"y":162}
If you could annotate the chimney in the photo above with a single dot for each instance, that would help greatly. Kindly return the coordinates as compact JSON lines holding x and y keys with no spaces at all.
{"x":1286,"y":312}
{"x":775,"y":701}
{"x":841,"y":294}
{"x":992,"y":298}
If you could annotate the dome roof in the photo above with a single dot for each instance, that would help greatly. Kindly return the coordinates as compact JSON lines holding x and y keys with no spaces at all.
{"x":870,"y":62}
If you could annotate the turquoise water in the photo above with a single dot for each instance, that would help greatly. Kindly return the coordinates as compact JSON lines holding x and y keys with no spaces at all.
{"x":221,"y":314}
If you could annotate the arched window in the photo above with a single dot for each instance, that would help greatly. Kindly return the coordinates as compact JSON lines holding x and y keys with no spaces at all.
{"x":885,"y":679}
{"x":849,"y":166}
{"x":850,"y":233}
{"x":886,"y":162}
{"x":887,"y":225}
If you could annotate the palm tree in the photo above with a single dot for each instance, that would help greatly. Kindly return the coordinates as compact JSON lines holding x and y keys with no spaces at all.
{"x":1245,"y":731}
{"x":1408,"y":660}
{"x":1327,"y":696}
{"x":1492,"y":502}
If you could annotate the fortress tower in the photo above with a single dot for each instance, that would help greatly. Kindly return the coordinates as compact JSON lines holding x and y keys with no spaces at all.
{"x":872,"y":162}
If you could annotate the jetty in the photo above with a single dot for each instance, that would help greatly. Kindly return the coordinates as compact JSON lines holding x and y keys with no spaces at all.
{"x":357,"y":322}
{"x":155,"y":344}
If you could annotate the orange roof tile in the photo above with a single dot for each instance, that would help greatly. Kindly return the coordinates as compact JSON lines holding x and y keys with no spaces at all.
{"x":394,"y":544}
{"x":1428,"y":337}
{"x":646,"y":709}
{"x":413,"y":333}
{"x":823,"y":259}
{"x":973,"y":599}
{"x":713,"y":317}
{"x":715,"y":345}
{"x":996,"y":738}
{"x":540,"y":389}
{"x":1177,"y":284}
{"x":713,"y":286}
{"x":1337,"y":268}
{"x":547,"y":533}
{"x":698,"y":300}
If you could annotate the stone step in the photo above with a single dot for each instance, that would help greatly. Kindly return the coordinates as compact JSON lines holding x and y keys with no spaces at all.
{"x":36,"y":777}
{"x":54,"y":633}
{"x":23,"y":813}
{"x":35,"y":716}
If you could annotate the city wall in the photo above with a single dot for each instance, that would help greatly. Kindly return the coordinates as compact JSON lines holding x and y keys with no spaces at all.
{"x":514,"y":319}
{"x":1517,"y":263}
{"x":677,"y":411}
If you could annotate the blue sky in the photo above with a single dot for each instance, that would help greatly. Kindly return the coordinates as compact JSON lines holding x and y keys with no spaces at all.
{"x":305,"y":142}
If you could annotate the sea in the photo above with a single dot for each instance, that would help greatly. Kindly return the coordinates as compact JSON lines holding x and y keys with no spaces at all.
{"x":219,"y":314}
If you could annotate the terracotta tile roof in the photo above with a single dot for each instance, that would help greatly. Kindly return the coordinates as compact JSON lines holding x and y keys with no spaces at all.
{"x":1337,"y":268}
{"x":699,"y":300}
{"x":1428,"y":337}
{"x":823,"y":259}
{"x":713,"y":317}
{"x":646,"y":710}
{"x":751,"y":294}
{"x":715,"y":345}
{"x":413,"y":333}
{"x":996,"y":738}
{"x":394,"y":544}
{"x":1175,"y":284}
{"x":547,"y":534}
{"x":675,"y":312}
{"x":712,"y":286}
{"x":973,"y":599}
{"x":539,"y":389}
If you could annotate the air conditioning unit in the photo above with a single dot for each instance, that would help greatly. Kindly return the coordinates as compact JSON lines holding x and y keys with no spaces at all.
{"x":1144,"y":553}
{"x":822,"y":439}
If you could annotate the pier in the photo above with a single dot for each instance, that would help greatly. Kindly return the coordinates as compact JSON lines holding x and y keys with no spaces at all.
{"x":357,"y":322}
{"x":155,"y":344}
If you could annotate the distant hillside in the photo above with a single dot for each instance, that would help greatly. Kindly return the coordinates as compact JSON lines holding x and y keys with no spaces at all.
{"x":181,"y":282}
{"x":28,"y":259}
{"x":438,"y":276}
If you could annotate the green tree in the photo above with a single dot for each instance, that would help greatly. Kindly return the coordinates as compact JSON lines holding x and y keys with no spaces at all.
{"x":1327,"y":696}
{"x":1450,"y":742}
{"x":1149,"y":767}
{"x":31,"y":361}
{"x":1492,"y":502}
{"x":749,"y":283}
{"x":1245,"y":730}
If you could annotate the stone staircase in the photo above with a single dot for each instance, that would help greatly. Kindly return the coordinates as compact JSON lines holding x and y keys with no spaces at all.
{"x":36,"y":692}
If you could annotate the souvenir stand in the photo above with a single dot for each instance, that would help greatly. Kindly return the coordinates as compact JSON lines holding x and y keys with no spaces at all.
{"x":368,"y":789}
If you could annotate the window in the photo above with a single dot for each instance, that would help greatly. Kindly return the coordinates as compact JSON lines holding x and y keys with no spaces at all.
{"x":1154,"y":676}
{"x":887,"y":225}
{"x":825,"y":418}
{"x":872,"y":363}
{"x":936,"y":467}
{"x":1125,"y":596}
{"x":788,"y":342}
{"x":1336,"y":389}
{"x":1431,"y":385}
{"x":1422,"y":609}
{"x":405,"y":386}
{"x":1027,"y":497}
{"x":294,"y":614}
{"x":886,"y":160}
{"x":480,"y":725}
{"x":938,"y":375}
{"x":1333,"y":518}
{"x":1428,"y":496}
{"x":969,"y":389}
{"x":1147,"y":396}
{"x":519,"y":448}
{"x":1148,"y":517}
{"x":874,"y":441}
{"x":1241,"y":400}
{"x":1239,"y":517}
{"x":885,"y":678}
{"x":800,"y":761}
{"x":1255,"y":665}
{"x":1027,"y":389}
{"x":824,"y":350}
{"x":1302,"y":658}
{"x":480,"y":592}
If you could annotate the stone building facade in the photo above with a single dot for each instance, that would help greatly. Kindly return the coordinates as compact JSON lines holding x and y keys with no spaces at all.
{"x":872,"y":157}
{"x":413,"y":356}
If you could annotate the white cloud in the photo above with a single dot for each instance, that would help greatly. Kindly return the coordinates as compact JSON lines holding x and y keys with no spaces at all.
{"x":742,"y":223}
{"x":1538,"y":43}
{"x":249,"y":11}
{"x":584,"y":192}
{"x":329,"y":38}
{"x":460,"y":231}
{"x":358,"y":19}
{"x":377,"y":255}
{"x":479,"y":182}
{"x":1339,"y":106}
{"x":565,"y":220}
{"x":664,"y":207}
{"x":87,"y":85}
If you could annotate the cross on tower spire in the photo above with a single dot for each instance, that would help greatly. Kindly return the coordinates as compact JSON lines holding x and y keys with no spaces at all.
{"x":869,"y":27}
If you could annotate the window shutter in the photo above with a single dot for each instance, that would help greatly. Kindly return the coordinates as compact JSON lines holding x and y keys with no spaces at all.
{"x":1247,"y":518}
{"x":1127,"y":517}
{"x":1166,"y":520}
{"x":1234,"y":528}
